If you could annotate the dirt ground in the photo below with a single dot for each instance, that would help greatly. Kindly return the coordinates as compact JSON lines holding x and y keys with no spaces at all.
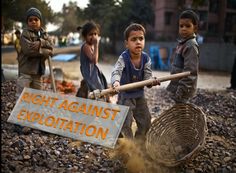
{"x":71,"y":69}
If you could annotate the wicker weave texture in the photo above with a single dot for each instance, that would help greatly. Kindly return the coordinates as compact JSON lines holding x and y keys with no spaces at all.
{"x":177,"y":134}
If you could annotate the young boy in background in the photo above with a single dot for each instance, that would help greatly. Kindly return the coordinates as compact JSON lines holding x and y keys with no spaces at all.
{"x":186,"y":58}
{"x":17,"y":45}
{"x":17,"y":42}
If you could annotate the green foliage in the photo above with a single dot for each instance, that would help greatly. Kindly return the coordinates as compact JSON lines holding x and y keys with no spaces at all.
{"x":112,"y":15}
{"x":115,"y":15}
{"x":15,"y":10}
{"x":68,"y":19}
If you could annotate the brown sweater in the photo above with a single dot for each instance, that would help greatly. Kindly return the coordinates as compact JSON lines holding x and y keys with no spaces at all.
{"x":31,"y":61}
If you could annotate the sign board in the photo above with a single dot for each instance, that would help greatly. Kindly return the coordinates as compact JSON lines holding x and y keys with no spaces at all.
{"x":88,"y":120}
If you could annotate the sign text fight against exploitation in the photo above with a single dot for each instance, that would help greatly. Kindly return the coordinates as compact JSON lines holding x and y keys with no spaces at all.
{"x":83,"y":119}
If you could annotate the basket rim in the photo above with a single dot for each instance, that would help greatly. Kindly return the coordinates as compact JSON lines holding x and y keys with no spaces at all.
{"x":201,"y":143}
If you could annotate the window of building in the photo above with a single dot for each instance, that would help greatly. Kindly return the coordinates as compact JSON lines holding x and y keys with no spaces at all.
{"x":203,"y":16}
{"x":230,"y":22}
{"x":168,"y":16}
{"x":212,"y":28}
{"x":214,"y":6}
{"x":231,"y":4}
{"x":200,"y":3}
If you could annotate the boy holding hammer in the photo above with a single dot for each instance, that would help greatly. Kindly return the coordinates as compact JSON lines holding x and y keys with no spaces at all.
{"x":134,"y":65}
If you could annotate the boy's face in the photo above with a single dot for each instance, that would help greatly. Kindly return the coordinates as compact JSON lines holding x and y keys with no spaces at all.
{"x":34,"y":23}
{"x":135,"y":42}
{"x":186,"y":28}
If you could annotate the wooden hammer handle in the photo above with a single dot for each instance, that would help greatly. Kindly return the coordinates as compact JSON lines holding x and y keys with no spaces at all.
{"x":135,"y":85}
{"x":52,"y":75}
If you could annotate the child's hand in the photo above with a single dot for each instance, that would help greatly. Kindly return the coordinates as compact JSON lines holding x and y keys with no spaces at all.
{"x":50,"y":53}
{"x":96,"y":40}
{"x":116,"y":84}
{"x":156,"y":82}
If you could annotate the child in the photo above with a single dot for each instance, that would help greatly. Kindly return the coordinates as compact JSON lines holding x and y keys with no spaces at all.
{"x":36,"y":47}
{"x":186,"y":58}
{"x":133,"y":65}
{"x":233,"y":77}
{"x":17,"y":43}
{"x":93,"y":77}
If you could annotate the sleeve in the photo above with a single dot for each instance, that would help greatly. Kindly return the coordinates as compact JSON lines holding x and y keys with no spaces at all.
{"x":17,"y":45}
{"x":46,"y":45}
{"x":46,"y":41}
{"x":25,"y":41}
{"x":147,"y":69}
{"x":117,"y":70}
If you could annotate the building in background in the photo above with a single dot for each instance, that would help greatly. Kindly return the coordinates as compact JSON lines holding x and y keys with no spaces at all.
{"x":217,"y":19}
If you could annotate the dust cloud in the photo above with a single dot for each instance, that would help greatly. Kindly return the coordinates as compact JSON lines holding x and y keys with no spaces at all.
{"x":133,"y":156}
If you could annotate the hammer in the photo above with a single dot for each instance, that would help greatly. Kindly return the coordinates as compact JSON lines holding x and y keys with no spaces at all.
{"x":99,"y":93}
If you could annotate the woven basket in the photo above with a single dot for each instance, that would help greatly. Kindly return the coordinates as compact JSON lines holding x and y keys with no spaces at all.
{"x":176,"y":135}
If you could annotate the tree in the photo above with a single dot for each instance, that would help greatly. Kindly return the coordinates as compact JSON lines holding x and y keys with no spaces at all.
{"x":103,"y":12}
{"x":15,"y":10}
{"x":115,"y":15}
{"x":68,"y":19}
{"x":70,"y":22}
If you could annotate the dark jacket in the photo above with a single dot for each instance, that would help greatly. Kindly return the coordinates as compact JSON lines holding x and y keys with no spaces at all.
{"x":31,"y":61}
{"x":186,"y":59}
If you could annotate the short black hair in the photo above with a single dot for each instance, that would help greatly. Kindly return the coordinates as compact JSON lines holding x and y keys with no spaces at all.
{"x":190,"y":14}
{"x":133,"y":27}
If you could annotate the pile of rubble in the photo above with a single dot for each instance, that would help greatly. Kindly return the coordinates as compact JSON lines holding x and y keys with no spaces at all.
{"x":62,"y":86}
{"x":219,"y":152}
{"x":30,"y":150}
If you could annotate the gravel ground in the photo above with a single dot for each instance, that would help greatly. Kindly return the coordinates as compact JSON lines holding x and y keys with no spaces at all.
{"x":29,"y":150}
